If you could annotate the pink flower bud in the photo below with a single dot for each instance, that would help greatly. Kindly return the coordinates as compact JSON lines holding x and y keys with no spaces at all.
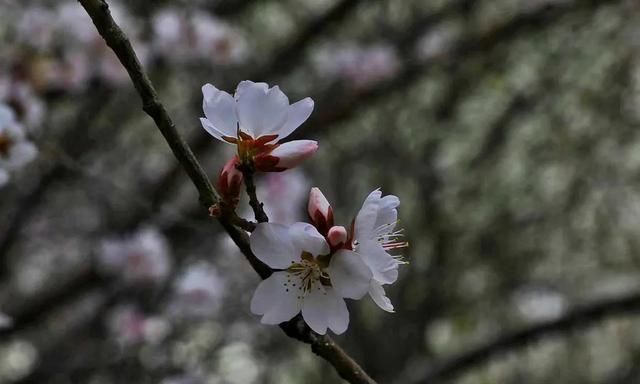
{"x":285,"y":156}
{"x":230,"y":181}
{"x":337,"y":236}
{"x":320,"y":211}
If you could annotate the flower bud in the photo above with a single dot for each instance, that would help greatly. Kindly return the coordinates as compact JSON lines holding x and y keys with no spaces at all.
{"x":230,"y":182}
{"x":320,"y":211}
{"x":285,"y":156}
{"x":337,"y":236}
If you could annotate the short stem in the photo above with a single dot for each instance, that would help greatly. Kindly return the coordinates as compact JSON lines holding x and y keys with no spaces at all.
{"x":256,"y":205}
{"x":240,"y":222}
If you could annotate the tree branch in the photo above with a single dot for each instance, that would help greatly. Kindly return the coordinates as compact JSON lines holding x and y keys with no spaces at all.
{"x":323,"y":346}
{"x":578,"y":318}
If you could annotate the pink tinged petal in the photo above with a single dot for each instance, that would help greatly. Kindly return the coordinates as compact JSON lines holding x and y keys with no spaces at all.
{"x":379,"y":297}
{"x":366,"y":218}
{"x":337,"y":236}
{"x":383,"y":265}
{"x":305,"y":237}
{"x":299,"y":112}
{"x":275,"y":299}
{"x":220,"y":109}
{"x":318,"y":205}
{"x":261,"y":113}
{"x":349,"y":275}
{"x":293,"y":153}
{"x":323,"y":309}
{"x":272,"y":244}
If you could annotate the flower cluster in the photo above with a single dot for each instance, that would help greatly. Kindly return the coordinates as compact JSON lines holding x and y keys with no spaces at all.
{"x":317,"y":265}
{"x":15,"y":149}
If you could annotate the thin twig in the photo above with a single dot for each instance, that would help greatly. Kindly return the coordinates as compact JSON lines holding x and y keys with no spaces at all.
{"x":256,"y":205}
{"x":575,"y":319}
{"x":323,"y":346}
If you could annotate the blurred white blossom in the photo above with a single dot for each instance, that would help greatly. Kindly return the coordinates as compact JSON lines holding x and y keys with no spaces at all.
{"x":284,"y":195}
{"x":142,"y":257}
{"x":130,"y":326}
{"x":198,"y":292}
{"x":358,"y":65}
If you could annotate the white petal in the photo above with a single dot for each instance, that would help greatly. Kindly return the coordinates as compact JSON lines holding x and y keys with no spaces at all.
{"x":383,"y":265}
{"x":275,"y":300}
{"x":213,"y":131}
{"x":388,"y":213}
{"x":299,"y":112}
{"x":379,"y":297}
{"x":271,"y":243}
{"x":323,"y":309}
{"x":261,"y":113}
{"x":305,"y":237}
{"x":292,"y":153}
{"x":246,"y":84}
{"x":366,"y":218}
{"x":220,"y":109}
{"x":350,"y":276}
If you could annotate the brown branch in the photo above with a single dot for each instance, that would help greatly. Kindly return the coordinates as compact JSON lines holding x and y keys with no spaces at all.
{"x":323,"y":346}
{"x":256,"y":205}
{"x":578,"y":318}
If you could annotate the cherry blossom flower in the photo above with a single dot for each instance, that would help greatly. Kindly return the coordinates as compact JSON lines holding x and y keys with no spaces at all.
{"x":15,"y":150}
{"x":307,"y":279}
{"x":256,"y":119}
{"x":373,"y":237}
{"x":141,"y":258}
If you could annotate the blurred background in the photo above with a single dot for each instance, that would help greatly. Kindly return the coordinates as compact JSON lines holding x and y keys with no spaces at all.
{"x":508,"y":128}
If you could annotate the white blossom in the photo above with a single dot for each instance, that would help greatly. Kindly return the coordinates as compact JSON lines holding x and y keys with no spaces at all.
{"x":374,"y":237}
{"x":306,"y":280}
{"x":255,"y":119}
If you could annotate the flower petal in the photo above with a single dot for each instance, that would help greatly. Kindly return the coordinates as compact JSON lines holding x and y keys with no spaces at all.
{"x":350,"y":276}
{"x":323,"y":309}
{"x":388,"y":213}
{"x":275,"y":300}
{"x":299,"y":112}
{"x":379,"y":297}
{"x":366,"y":218}
{"x":220,"y":109}
{"x":305,"y":237}
{"x":213,"y":131}
{"x":246,"y":84}
{"x":293,"y":153}
{"x":272,"y":244}
{"x":383,"y":266}
{"x":261,"y":113}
